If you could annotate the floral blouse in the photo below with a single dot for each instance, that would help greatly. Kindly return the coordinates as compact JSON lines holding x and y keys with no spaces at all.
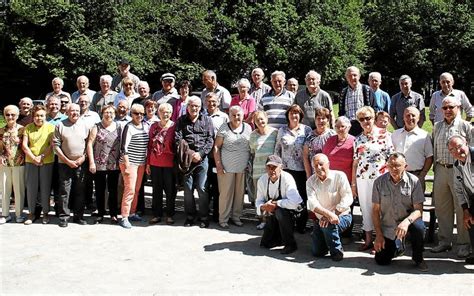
{"x":316,"y":142}
{"x":11,"y":153}
{"x":372,"y":152}
{"x":107,"y":148}
{"x":289,"y":146}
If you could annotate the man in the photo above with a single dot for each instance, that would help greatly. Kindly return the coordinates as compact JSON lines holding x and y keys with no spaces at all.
{"x":144,"y":92}
{"x":312,"y":97}
{"x":26,"y":106}
{"x":88,"y":116}
{"x":123,"y":69}
{"x":105,"y":96}
{"x":53,"y":105}
{"x":381,"y":98}
{"x":443,"y":187}
{"x":82,"y":84}
{"x":209,"y":79}
{"x":168,"y":93}
{"x":64,"y":102}
{"x":397,"y":209}
{"x":464,"y":182}
{"x":277,"y":198}
{"x":57,"y":85}
{"x":277,"y":101}
{"x":446,"y":81}
{"x":415,"y":144}
{"x":122,"y":116}
{"x":330,"y":198}
{"x":404,"y":99}
{"x":259,"y":88}
{"x":198,"y":132}
{"x":292,"y":85}
{"x":354,"y":96}
{"x":69,"y":140}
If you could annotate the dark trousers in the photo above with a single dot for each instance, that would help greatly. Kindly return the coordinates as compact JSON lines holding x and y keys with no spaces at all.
{"x":163,"y":180}
{"x":55,"y":185}
{"x":279,"y":229}
{"x":300,"y":179}
{"x":71,"y":190}
{"x":356,"y":129}
{"x":417,"y":232}
{"x":106,"y":180}
{"x":196,"y":179}
{"x":471,"y":230}
{"x":88,"y":186}
{"x":213,"y":189}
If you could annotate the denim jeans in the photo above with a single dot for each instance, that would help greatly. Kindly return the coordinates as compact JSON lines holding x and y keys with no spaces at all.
{"x":197,"y":179}
{"x":326,"y":239}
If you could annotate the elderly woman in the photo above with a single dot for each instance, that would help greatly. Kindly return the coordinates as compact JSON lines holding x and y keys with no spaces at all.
{"x":150,"y":114}
{"x":315,"y":141}
{"x":231,"y":154}
{"x":39,"y":162}
{"x":133,"y":150}
{"x":160,"y":163}
{"x":262,"y":144}
{"x":12,"y":165}
{"x":244,"y":100}
{"x":371,"y":150}
{"x":289,"y":146}
{"x":103,"y":151}
{"x":128,"y":92}
{"x":180,"y":105}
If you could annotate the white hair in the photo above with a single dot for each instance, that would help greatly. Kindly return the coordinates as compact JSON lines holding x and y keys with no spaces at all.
{"x":83,"y":77}
{"x":373,"y":75}
{"x":193,"y":99}
{"x":278,"y":73}
{"x":105,"y":78}
{"x":243,"y":82}
{"x":312,"y":72}
{"x":144,"y":83}
{"x":58,"y":79}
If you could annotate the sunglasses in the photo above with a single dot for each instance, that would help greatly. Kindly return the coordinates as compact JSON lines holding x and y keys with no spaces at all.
{"x":365,"y":118}
{"x":128,"y":84}
{"x":138,"y":113}
{"x":448,"y":107}
{"x":10,"y":115}
{"x":64,"y":102}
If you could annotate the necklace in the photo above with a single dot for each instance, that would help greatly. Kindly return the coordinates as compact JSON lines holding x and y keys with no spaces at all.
{"x":341,"y":144}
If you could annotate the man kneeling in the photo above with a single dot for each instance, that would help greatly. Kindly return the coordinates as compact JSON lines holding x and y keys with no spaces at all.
{"x":330,"y":198}
{"x":397,"y":207}
{"x":277,"y":198}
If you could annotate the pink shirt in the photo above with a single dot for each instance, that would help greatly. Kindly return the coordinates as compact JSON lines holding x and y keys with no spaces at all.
{"x":248,"y":104}
{"x":340,"y":156}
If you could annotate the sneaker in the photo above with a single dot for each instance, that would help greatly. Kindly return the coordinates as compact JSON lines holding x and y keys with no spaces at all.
{"x":441,"y":248}
{"x":45,"y":219}
{"x":135,"y":218}
{"x":422,"y":266}
{"x":338,"y":256}
{"x":204,"y":224}
{"x":3,"y":220}
{"x":31,"y":218}
{"x":237,"y":222}
{"x":464,"y":251}
{"x":224,"y":225}
{"x":261,"y":226}
{"x":169,"y":221}
{"x":154,"y":220}
{"x":63,"y":223}
{"x":20,"y":219}
{"x":125,"y":223}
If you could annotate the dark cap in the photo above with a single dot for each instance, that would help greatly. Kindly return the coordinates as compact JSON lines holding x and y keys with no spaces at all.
{"x":168,"y":76}
{"x":273,"y":160}
{"x":123,"y":61}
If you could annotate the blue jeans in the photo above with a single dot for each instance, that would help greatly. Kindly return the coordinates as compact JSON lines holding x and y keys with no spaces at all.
{"x":326,"y":239}
{"x":196,"y":179}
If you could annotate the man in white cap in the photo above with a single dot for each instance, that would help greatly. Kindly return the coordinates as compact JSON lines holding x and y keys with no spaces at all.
{"x":168,"y":93}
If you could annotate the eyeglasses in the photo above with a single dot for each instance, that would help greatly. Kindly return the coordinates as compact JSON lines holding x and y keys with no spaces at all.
{"x":365,"y":118}
{"x":138,"y":113}
{"x":64,"y":102}
{"x":10,"y":115}
{"x":128,"y":84}
{"x":448,"y":107}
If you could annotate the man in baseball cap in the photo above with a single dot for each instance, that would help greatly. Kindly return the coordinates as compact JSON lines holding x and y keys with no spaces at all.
{"x":123,"y":69}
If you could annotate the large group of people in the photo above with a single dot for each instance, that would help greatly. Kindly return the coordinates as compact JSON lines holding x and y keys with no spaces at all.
{"x":283,"y":146}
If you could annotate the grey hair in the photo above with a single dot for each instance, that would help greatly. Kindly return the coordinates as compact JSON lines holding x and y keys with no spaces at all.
{"x":137,"y":107}
{"x":372,"y":75}
{"x":414,"y":109}
{"x":312,"y":72}
{"x":451,"y":99}
{"x":166,"y":106}
{"x":209,"y":73}
{"x":106,"y":78}
{"x":456,"y":137}
{"x":352,"y":68}
{"x":278,"y":73}
{"x":26,"y":99}
{"x":446,"y":75}
{"x":144,"y":83}
{"x":215,"y":96}
{"x":83,"y":77}
{"x":58,"y":79}
{"x":258,"y":70}
{"x":236,"y":108}
{"x":404,"y":77}
{"x":243,"y":82}
{"x":344,"y":120}
{"x":193,"y":99}
{"x":397,"y":155}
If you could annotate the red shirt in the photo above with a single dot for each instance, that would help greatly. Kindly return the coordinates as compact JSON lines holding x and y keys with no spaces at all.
{"x":161,"y":145}
{"x":340,"y":156}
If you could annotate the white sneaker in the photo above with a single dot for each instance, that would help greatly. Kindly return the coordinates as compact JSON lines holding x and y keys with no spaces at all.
{"x":6,"y":219}
{"x":261,"y":226}
{"x":464,"y":251}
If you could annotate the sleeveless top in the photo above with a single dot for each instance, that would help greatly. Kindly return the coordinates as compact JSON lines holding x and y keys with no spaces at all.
{"x":107,"y":148}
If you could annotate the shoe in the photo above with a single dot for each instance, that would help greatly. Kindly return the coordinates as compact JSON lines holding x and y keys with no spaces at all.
{"x":224,"y":225}
{"x":45,"y":219}
{"x":470,"y":260}
{"x":237,"y":222}
{"x":188,"y":223}
{"x":79,"y":221}
{"x":169,"y":221}
{"x":261,"y":226}
{"x":125,"y":223}
{"x":154,"y":220}
{"x":99,"y":220}
{"x":204,"y":224}
{"x":20,"y":219}
{"x":288,"y":249}
{"x":135,"y":218}
{"x":31,"y":218}
{"x":338,"y":256}
{"x":464,"y":251}
{"x":113,"y":220}
{"x":62,"y":223}
{"x":441,"y":248}
{"x":3,"y":220}
{"x":422,"y":266}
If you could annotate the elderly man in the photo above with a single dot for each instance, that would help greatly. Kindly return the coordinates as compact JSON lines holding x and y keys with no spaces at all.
{"x":381,"y":98}
{"x":209,"y":79}
{"x":53,"y":105}
{"x":397,"y":209}
{"x":26,"y":106}
{"x":105,"y":96}
{"x":415,"y":144}
{"x":330,"y":198}
{"x":168,"y":93}
{"x":292,"y":85}
{"x":88,"y":116}
{"x":277,"y":101}
{"x":354,"y":96}
{"x":82,"y":84}
{"x":123,"y":70}
{"x":443,"y":187}
{"x":277,"y":198}
{"x":446,"y":81}
{"x":259,"y":88}
{"x":312,"y":97}
{"x":57,"y":85}
{"x":144,"y":92}
{"x":464,"y":182}
{"x":70,"y":138}
{"x":197,"y":131}
{"x":122,"y":116}
{"x":404,"y":99}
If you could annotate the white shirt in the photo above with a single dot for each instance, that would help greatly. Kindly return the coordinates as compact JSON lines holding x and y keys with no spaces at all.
{"x":436,"y":112}
{"x":334,"y":193}
{"x":289,"y":193}
{"x":90,"y":118}
{"x":415,"y":144}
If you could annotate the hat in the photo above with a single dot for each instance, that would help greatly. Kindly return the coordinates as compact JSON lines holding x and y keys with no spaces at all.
{"x":123,"y":61}
{"x":274,"y":160}
{"x":168,"y":76}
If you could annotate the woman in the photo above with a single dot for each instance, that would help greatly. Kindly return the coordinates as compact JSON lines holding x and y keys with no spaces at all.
{"x":12,"y":164}
{"x":132,"y":163}
{"x":315,"y":141}
{"x":262,"y":144}
{"x":179,"y":108}
{"x":161,"y":150}
{"x":371,"y":150}
{"x":244,"y":100}
{"x":103,"y":151}
{"x":231,"y":154}
{"x":39,"y":163}
{"x":289,"y":147}
{"x":150,"y":114}
{"x":128,"y":92}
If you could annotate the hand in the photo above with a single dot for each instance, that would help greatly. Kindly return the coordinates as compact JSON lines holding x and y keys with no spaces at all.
{"x":126,"y":171}
{"x":72,"y":164}
{"x":220,"y":169}
{"x":271,"y":206}
{"x":379,"y":243}
{"x":467,"y":219}
{"x":196,"y":157}
{"x":333,"y":218}
{"x":148,"y":169}
{"x":354,"y":191}
{"x":38,"y":160}
{"x":323,"y":222}
{"x":92,"y":168}
{"x":402,"y":229}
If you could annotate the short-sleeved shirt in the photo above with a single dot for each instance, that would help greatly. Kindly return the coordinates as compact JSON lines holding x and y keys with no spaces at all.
{"x":442,"y":131}
{"x":289,"y":146}
{"x":309,"y":103}
{"x":276,"y":106}
{"x":218,"y":119}
{"x":258,"y":92}
{"x":100,"y":100}
{"x":11,"y":153}
{"x":235,"y":150}
{"x":436,"y":104}
{"x":39,"y":139}
{"x":71,"y":138}
{"x":261,"y":146}
{"x":399,"y":103}
{"x":170,"y":97}
{"x":222,"y":93}
{"x":415,"y":144}
{"x":396,"y":200}
{"x":75,"y":95}
{"x":247,"y":105}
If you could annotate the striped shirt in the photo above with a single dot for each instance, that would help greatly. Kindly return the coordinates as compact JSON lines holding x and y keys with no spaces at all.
{"x":134,"y":144}
{"x":258,"y":92}
{"x":276,"y":106}
{"x":354,"y":101}
{"x":235,"y":150}
{"x":261,"y":146}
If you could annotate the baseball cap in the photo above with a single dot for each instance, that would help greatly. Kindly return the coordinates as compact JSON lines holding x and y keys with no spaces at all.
{"x":168,"y":76}
{"x":123,"y":61}
{"x":273,"y":160}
